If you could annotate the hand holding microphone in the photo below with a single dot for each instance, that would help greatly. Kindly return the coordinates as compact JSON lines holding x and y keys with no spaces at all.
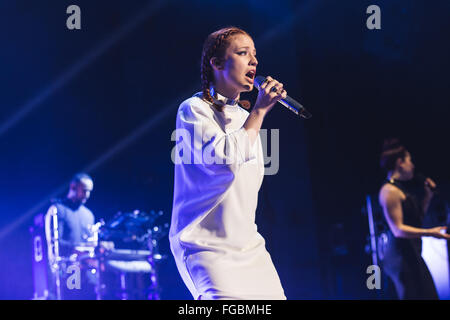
{"x":429,"y":185}
{"x":273,"y":86}
{"x":270,"y":91}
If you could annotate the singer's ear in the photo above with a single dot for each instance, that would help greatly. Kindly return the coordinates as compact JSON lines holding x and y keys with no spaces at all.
{"x":398,"y":162}
{"x":216,"y":63}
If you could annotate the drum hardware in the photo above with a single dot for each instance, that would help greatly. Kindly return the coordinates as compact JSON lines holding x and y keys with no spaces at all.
{"x":120,"y":256}
{"x":128,"y":255}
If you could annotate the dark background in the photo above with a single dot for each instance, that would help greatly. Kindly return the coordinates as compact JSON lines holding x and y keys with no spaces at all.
{"x":103,"y":99}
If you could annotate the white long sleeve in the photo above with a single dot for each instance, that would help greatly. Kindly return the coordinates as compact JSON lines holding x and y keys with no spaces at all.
{"x":213,"y":236}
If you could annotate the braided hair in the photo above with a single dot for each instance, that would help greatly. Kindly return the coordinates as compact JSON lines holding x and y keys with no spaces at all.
{"x":215,"y":46}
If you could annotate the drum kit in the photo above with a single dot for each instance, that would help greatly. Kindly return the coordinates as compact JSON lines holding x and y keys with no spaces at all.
{"x":118,"y":262}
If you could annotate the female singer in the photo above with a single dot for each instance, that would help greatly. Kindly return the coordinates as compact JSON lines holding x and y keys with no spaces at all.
{"x":214,"y":239}
{"x":404,"y":213}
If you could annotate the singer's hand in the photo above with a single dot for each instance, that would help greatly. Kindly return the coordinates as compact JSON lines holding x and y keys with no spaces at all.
{"x":264,"y":103}
{"x":439,"y":232}
{"x":267,"y":96}
{"x":429,"y":186}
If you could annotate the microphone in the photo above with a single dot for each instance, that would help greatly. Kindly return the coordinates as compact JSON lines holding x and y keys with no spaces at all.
{"x":288,"y":102}
{"x":421,"y":178}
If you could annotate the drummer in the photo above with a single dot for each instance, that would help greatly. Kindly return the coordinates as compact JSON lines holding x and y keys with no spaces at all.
{"x":75,"y":220}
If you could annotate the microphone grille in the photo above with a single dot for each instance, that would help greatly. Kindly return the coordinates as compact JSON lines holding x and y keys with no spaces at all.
{"x":259,"y":80}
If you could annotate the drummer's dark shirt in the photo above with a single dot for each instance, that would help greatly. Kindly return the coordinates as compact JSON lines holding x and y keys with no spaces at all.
{"x":73,"y":225}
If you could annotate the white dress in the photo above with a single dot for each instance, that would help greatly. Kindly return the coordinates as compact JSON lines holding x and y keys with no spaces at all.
{"x":213,"y":236}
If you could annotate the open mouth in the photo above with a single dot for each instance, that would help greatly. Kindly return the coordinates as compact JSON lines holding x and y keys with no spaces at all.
{"x":250,"y":75}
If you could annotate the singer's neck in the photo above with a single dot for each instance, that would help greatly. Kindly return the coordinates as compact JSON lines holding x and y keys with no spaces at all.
{"x":395,"y":175}
{"x":225,"y":90}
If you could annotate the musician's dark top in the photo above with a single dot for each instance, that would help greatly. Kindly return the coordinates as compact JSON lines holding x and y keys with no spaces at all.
{"x":74,"y":221}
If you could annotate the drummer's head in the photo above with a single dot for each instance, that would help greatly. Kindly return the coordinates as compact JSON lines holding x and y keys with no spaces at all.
{"x":80,"y":188}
